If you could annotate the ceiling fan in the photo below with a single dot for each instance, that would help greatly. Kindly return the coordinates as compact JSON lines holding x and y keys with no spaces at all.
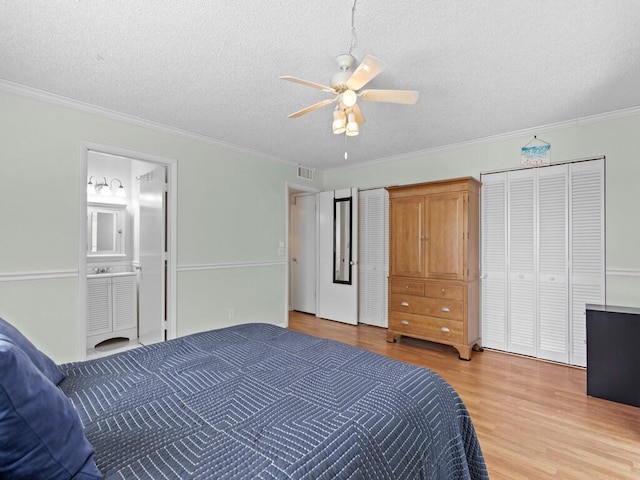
{"x":346,"y":86}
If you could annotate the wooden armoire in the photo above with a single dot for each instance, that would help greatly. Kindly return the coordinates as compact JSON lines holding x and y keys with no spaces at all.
{"x":433,"y":263}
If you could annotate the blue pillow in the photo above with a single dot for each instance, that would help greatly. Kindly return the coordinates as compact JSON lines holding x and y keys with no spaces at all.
{"x":43,"y":363}
{"x":41,"y":435}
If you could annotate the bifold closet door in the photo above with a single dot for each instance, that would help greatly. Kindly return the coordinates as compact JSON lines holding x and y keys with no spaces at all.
{"x":543,"y":230}
{"x":552,"y":262}
{"x":521,"y":299}
{"x":494,"y":261}
{"x":586,"y":249}
{"x":373,"y":236}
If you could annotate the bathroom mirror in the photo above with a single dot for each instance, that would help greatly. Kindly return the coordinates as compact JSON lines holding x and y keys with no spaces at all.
{"x":105,"y":229}
{"x":342,"y":240}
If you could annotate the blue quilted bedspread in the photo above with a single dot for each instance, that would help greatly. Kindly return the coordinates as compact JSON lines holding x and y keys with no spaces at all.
{"x":262,"y":402}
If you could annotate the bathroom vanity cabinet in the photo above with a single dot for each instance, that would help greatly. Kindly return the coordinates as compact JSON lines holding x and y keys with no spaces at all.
{"x":112,"y":310}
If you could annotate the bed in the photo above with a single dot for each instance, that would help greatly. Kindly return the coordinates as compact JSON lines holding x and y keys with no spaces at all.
{"x":257,"y":401}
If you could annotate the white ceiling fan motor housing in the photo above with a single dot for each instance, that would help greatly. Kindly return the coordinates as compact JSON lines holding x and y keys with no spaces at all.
{"x":346,"y":63}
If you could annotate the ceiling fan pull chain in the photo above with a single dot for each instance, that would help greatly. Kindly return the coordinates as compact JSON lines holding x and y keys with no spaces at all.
{"x":346,"y":155}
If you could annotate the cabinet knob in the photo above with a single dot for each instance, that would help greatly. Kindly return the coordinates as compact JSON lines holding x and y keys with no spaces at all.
{"x":405,"y":322}
{"x":445,"y":309}
{"x":405,"y":304}
{"x":443,"y":291}
{"x":445,"y":329}
{"x":406,"y":287}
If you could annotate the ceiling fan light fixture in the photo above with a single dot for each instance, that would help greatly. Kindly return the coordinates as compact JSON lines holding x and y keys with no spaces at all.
{"x":352,"y":126}
{"x":339,"y":122}
{"x":349,"y":98}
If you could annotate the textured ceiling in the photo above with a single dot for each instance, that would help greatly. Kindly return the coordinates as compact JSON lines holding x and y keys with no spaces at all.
{"x":211,"y":68}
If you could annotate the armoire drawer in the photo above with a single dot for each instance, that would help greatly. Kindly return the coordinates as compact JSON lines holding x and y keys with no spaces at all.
{"x":430,"y":328}
{"x":440,"y":290}
{"x":407,"y":286}
{"x":435,"y":307}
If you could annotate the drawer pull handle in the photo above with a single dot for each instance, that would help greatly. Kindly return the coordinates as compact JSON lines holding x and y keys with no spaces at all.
{"x":445,"y":329}
{"x":443,"y":290}
{"x":405,"y":322}
{"x":405,"y":304}
{"x":445,"y":309}
{"x":406,"y":287}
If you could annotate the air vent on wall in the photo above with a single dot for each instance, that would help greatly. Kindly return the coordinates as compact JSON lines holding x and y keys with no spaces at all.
{"x":305,"y":172}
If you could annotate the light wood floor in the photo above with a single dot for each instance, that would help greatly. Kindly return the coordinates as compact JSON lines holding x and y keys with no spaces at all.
{"x":533,"y":418}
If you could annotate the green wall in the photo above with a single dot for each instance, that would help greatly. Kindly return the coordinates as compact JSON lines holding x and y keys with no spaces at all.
{"x":231,"y":211}
{"x":615,"y":137}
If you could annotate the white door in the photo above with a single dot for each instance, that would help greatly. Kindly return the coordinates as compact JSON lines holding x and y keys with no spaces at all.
{"x":586,"y":250}
{"x":338,"y":298}
{"x":151,"y":287}
{"x":521,"y":262}
{"x":552,"y":275}
{"x":303,"y":253}
{"x":494,"y":265}
{"x":373,"y":265}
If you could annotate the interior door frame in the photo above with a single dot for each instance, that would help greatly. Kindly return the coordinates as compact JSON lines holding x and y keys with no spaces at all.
{"x":171,"y":227}
{"x":290,"y":189}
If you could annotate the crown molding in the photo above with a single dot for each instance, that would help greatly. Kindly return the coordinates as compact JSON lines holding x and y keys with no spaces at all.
{"x":600,"y":117}
{"x":54,"y":99}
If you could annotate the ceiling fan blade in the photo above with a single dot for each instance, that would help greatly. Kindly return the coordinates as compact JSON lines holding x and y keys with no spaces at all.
{"x":366,"y":71}
{"x":358,"y":114}
{"x":307,"y":83}
{"x":310,"y":108}
{"x":407,"y":97}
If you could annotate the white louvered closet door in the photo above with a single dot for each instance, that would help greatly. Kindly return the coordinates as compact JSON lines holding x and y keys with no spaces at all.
{"x":521,"y":262}
{"x":553,"y":328}
{"x":373,"y":261}
{"x":554,"y":258}
{"x":587,"y":249}
{"x":494,"y":266}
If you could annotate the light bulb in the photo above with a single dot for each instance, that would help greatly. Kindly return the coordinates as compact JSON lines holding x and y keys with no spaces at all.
{"x":339,"y":122}
{"x":352,"y":126}
{"x":349,"y":98}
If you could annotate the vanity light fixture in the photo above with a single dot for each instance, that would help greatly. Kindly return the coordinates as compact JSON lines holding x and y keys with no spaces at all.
{"x":91,"y":188}
{"x":104,"y":188}
{"x":120,"y":191}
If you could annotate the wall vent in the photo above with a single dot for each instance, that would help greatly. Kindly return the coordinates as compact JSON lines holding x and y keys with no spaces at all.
{"x":305,"y":172}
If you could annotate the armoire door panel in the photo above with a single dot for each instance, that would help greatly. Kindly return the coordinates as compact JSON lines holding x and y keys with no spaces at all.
{"x":445,"y":235}
{"x":406,"y":221}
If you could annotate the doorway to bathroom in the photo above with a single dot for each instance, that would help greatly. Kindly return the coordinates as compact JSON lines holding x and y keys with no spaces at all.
{"x":127,"y":274}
